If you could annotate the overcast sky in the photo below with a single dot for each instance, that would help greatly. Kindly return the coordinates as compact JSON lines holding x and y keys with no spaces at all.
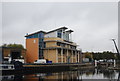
{"x":93,"y":23}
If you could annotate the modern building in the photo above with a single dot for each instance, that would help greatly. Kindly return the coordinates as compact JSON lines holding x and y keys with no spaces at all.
{"x":55,"y":46}
{"x":12,"y":53}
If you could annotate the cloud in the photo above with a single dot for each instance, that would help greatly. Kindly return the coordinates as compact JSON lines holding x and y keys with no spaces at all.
{"x":94,"y":23}
{"x":0,"y":24}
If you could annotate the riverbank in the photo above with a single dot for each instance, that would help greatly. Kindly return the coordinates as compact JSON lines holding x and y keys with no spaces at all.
{"x":43,"y":68}
{"x":53,"y":67}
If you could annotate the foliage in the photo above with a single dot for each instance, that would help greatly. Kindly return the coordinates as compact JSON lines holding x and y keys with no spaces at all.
{"x":88,"y":55}
{"x":13,"y":45}
{"x":104,"y":55}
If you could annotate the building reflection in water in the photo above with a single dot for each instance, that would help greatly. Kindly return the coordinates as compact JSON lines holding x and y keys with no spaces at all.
{"x":67,"y":75}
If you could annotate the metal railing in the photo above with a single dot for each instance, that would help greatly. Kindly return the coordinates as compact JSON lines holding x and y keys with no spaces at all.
{"x":7,"y":67}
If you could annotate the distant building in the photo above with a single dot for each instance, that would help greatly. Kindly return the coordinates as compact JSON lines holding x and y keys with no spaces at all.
{"x":55,"y":46}
{"x":13,"y":53}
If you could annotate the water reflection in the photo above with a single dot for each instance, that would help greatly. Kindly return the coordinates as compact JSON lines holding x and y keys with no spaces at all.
{"x":80,"y":75}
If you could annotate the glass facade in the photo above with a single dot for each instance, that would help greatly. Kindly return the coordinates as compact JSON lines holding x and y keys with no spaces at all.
{"x":41,"y":45}
{"x":64,"y":34}
{"x":67,"y":36}
{"x":32,"y":36}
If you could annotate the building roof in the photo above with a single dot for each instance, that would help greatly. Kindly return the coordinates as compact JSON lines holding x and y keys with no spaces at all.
{"x":47,"y":32}
{"x":35,"y":33}
{"x":57,"y":29}
{"x":70,"y":31}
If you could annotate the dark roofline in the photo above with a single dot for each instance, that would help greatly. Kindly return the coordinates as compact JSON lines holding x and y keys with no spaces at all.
{"x":47,"y":32}
{"x":3,"y":47}
{"x":35,"y":33}
{"x":70,"y":31}
{"x":57,"y":29}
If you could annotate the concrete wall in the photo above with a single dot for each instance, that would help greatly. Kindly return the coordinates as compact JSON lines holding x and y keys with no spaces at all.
{"x":51,"y":44}
{"x":50,"y":55}
{"x":53,"y":38}
{"x":32,"y":47}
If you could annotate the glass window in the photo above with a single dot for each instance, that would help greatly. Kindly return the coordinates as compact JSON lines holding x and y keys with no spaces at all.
{"x":35,"y":35}
{"x":59,"y":35}
{"x":41,"y":40}
{"x":59,"y":51}
{"x":58,"y":43}
{"x":64,"y":51}
{"x":41,"y":35}
{"x":44,"y":44}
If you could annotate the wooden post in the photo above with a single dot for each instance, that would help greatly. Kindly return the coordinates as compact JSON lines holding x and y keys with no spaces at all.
{"x":114,"y":63}
{"x":95,"y":63}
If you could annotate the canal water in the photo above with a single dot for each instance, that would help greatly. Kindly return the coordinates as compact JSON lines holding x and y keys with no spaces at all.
{"x":81,"y":75}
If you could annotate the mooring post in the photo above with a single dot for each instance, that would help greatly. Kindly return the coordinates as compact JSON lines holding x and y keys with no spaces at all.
{"x":114,"y":63}
{"x":95,"y":63}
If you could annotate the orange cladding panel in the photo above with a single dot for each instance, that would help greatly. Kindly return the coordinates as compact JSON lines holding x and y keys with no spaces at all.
{"x":32,"y":53}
